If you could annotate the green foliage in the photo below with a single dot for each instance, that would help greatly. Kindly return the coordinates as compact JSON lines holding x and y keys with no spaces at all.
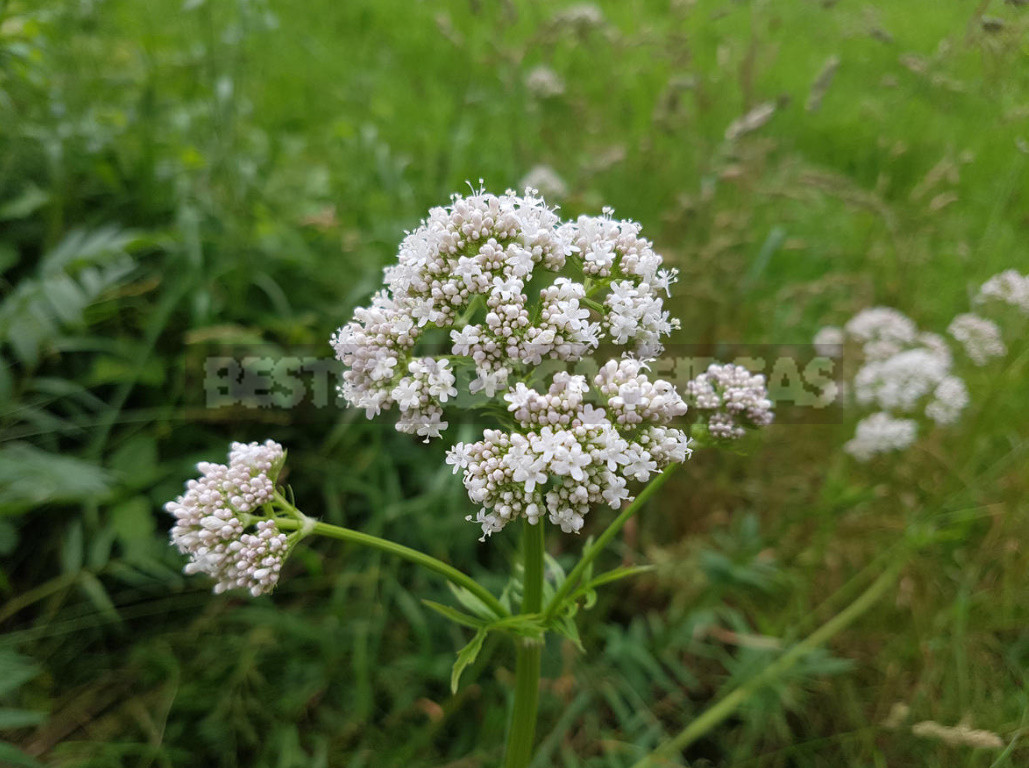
{"x":228,"y":178}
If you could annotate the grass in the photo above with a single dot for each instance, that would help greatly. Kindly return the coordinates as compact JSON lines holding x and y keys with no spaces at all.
{"x":258,"y":162}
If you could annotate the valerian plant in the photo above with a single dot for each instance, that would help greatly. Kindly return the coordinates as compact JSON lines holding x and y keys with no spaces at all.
{"x":456,"y":310}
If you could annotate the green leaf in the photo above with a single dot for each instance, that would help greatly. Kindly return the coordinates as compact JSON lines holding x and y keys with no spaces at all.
{"x":31,"y":477}
{"x":472,"y":603}
{"x":617,"y":574}
{"x":524,"y":625}
{"x":97,"y":594}
{"x":466,"y":656}
{"x":455,"y":615}
{"x":8,"y":537}
{"x":133,"y":523}
{"x":19,"y":718}
{"x":565,"y":626}
{"x":12,"y":756}
{"x":72,"y":554}
{"x":15,"y":670}
{"x":28,"y":202}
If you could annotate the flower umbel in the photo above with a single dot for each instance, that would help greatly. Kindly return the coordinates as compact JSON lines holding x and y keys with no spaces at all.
{"x":568,"y":454}
{"x":731,"y":399}
{"x":980,"y":337}
{"x":213,"y":516}
{"x":467,"y":269}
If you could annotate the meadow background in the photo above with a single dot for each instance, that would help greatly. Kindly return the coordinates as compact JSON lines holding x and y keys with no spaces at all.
{"x":227,"y":177}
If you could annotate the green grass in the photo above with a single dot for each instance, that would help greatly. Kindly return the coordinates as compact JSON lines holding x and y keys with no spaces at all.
{"x":258,"y":171}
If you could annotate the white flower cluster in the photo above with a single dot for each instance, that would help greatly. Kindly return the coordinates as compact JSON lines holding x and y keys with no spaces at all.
{"x":544,"y":83}
{"x":1008,"y":287}
{"x":883,"y":331}
{"x":212,"y":517}
{"x":829,"y":340}
{"x":466,"y":270}
{"x":581,"y":17}
{"x":732,"y":398}
{"x":980,"y":337}
{"x":569,"y":454}
{"x":881,"y":433}
{"x":902,"y":370}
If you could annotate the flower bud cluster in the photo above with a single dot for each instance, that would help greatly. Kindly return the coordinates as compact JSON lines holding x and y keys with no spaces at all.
{"x":732,"y":399}
{"x":1008,"y":287}
{"x":568,"y":454}
{"x":980,"y":337}
{"x":212,"y":517}
{"x":428,"y":383}
{"x":466,"y":270}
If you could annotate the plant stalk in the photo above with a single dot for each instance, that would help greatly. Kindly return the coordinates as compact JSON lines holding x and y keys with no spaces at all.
{"x":521,"y":734}
{"x":406,"y":553}
{"x":715,"y":714}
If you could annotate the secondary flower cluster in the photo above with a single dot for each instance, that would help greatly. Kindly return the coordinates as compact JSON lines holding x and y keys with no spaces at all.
{"x":1007,"y":287}
{"x":902,"y":371}
{"x":980,"y":337}
{"x":466,"y":270}
{"x":568,"y":454}
{"x":731,"y":399}
{"x":213,"y":515}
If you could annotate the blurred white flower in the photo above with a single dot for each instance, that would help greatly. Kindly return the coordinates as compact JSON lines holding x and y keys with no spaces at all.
{"x":901,"y":381}
{"x":544,"y":83}
{"x":829,"y":340}
{"x":1009,"y":287}
{"x":949,"y":399}
{"x":579,"y":18}
{"x":880,"y":433}
{"x":980,"y":337}
{"x":544,"y":179}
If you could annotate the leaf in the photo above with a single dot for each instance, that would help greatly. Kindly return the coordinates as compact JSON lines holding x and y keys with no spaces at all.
{"x":8,"y":537}
{"x":97,"y":594}
{"x":133,"y":523}
{"x":72,"y":546}
{"x":455,"y":615}
{"x":617,"y":574}
{"x":14,"y":757}
{"x":31,"y":477}
{"x":472,"y":603}
{"x":566,"y":627}
{"x":15,"y":670}
{"x":19,"y":718}
{"x":524,"y":625}
{"x":73,"y":275}
{"x":466,"y":656}
{"x":28,"y":202}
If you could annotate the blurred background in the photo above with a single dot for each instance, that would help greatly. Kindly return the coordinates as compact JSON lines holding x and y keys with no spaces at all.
{"x":187,"y":180}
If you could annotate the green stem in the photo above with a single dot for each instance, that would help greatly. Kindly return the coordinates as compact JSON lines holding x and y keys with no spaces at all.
{"x":603,"y":540}
{"x":522,"y":732}
{"x":406,"y":553}
{"x":732,"y":701}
